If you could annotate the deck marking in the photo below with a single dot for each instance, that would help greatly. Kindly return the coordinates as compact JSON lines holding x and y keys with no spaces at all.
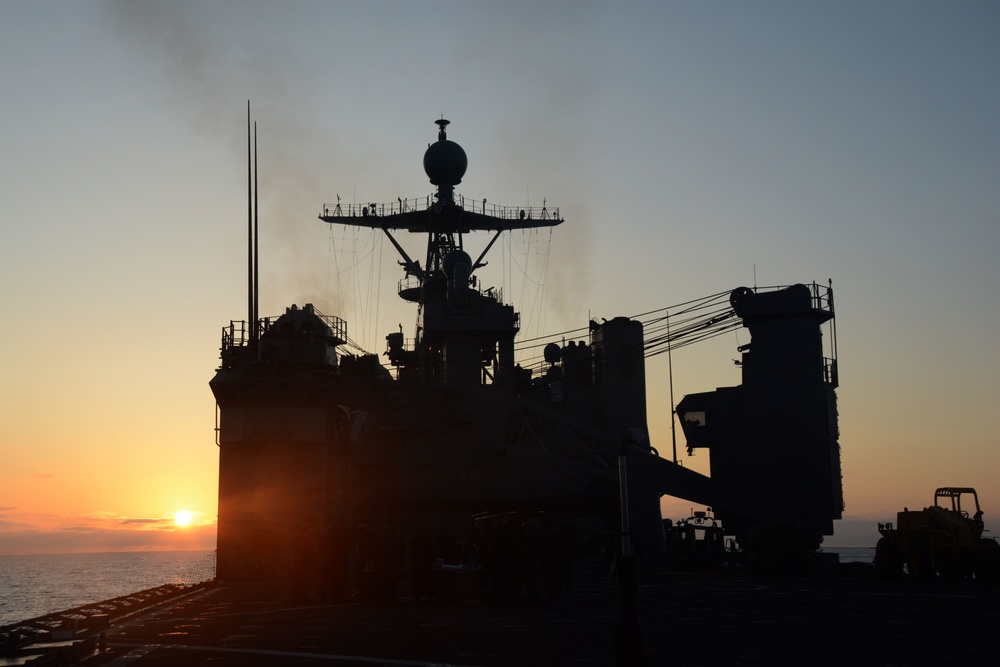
{"x":133,"y":655}
{"x":141,"y":650}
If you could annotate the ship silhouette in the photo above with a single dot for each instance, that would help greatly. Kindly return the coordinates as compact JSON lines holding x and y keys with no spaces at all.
{"x":453,"y":433}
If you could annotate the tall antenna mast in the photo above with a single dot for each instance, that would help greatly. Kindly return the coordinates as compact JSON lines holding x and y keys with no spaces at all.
{"x":251,"y":319}
{"x":256,"y":238}
{"x":673,"y":406}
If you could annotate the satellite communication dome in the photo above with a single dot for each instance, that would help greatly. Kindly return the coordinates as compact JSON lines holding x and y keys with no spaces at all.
{"x":445,"y":161}
{"x":453,"y":259}
{"x":552,"y":353}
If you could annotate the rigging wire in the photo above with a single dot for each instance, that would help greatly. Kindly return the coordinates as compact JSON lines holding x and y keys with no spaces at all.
{"x":331,"y":260}
{"x":536,"y":256}
{"x":543,"y":281}
{"x":371,"y":293}
{"x":664,"y":329}
{"x":378,"y":283}
{"x":524,"y":272}
{"x":355,"y":279}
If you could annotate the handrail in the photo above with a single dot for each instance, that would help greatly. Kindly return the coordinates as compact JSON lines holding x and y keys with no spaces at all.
{"x":410,"y":205}
{"x":413,"y":283}
{"x":822,"y":297}
{"x":237,"y":334}
{"x":830,"y":375}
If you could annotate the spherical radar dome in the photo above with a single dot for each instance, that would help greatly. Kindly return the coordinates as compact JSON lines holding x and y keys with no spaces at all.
{"x":445,"y":161}
{"x":552,"y":353}
{"x":453,"y":259}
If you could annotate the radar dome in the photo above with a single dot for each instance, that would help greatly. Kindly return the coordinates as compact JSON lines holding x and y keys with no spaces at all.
{"x":552,"y":353}
{"x":445,"y":161}
{"x":453,"y":259}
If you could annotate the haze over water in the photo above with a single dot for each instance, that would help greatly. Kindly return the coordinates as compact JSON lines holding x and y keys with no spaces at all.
{"x":32,"y":586}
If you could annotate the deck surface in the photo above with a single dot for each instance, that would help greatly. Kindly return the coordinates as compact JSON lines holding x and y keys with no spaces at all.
{"x":684,"y":619}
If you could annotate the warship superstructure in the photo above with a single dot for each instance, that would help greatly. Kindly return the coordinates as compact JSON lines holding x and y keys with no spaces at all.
{"x":311,"y":436}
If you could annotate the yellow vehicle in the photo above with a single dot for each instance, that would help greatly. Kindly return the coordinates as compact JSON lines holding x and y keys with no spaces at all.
{"x":941,"y":539}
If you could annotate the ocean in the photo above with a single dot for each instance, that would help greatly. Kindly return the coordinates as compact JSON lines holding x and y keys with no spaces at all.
{"x":35,"y":585}
{"x":853,"y":554}
{"x":40,"y":584}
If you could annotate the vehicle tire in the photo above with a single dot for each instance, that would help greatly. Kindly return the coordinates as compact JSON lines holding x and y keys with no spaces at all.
{"x":988,"y":562}
{"x":888,"y":561}
{"x":920,"y":563}
{"x":953,"y":563}
{"x":952,"y":573}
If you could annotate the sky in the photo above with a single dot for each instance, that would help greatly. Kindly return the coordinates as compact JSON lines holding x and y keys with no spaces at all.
{"x":692,"y":147}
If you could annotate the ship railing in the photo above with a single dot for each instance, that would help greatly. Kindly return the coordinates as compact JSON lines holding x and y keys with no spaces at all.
{"x":822,"y":297}
{"x":507,"y":212}
{"x":495,"y":293}
{"x":413,"y":283}
{"x":409,"y":205}
{"x":408,"y":283}
{"x":236,"y":337}
{"x":237,"y":334}
{"x":407,"y":344}
{"x":830,"y":375}
{"x":337,"y":325}
{"x":235,"y":349}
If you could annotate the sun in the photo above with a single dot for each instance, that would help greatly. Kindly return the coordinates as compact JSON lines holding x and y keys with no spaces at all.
{"x":182,"y":518}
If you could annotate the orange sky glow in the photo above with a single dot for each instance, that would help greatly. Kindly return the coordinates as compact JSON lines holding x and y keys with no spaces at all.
{"x":692,"y":148}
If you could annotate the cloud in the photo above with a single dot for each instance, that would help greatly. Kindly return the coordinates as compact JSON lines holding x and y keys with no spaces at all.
{"x":95,"y":541}
{"x":81,"y":538}
{"x":99,"y":532}
{"x":147,"y":522}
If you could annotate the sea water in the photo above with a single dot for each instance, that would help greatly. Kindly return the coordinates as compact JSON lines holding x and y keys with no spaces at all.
{"x":852,"y":554}
{"x":36,"y":585}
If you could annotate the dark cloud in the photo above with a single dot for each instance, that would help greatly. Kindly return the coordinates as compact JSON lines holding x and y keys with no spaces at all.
{"x":145,"y":522}
{"x":76,"y":528}
{"x":82,"y":539}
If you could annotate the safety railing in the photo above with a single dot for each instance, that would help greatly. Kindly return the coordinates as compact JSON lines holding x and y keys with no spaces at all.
{"x":822,"y":297}
{"x":482,"y":206}
{"x":236,"y":336}
{"x":411,"y":284}
{"x":830,"y":376}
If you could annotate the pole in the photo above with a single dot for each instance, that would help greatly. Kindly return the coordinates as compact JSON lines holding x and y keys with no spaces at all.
{"x":630,"y":650}
{"x":256,"y":272}
{"x":670,"y":371}
{"x":250,"y":320}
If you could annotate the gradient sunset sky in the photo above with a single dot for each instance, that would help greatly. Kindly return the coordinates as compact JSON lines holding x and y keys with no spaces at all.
{"x":693,"y":147}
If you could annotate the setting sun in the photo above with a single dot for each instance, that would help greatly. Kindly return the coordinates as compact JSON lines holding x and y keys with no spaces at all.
{"x":182,"y":518}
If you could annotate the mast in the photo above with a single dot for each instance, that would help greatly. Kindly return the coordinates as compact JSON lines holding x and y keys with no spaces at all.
{"x":256,"y":273}
{"x":465,"y":336}
{"x":251,"y":321}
